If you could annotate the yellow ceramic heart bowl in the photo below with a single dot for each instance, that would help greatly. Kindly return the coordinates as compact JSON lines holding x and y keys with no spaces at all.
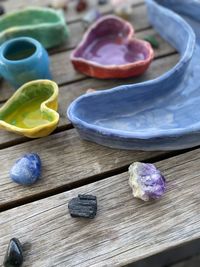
{"x":31,"y":111}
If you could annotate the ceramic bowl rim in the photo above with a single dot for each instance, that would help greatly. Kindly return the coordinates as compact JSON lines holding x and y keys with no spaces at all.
{"x":130,"y":38}
{"x":9,"y":42}
{"x":59,"y":14}
{"x":183,"y":61}
{"x":43,"y":104}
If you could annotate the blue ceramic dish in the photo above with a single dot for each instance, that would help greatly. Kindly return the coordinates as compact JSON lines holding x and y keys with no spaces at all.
{"x":161,"y":114}
{"x":22,"y":60}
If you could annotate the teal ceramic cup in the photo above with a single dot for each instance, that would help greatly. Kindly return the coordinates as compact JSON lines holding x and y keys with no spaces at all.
{"x":22,"y":60}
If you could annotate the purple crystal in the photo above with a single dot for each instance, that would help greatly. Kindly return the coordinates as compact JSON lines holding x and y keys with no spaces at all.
{"x":146,"y":181}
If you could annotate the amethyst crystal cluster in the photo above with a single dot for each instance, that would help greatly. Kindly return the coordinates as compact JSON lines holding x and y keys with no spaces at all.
{"x":146,"y":181}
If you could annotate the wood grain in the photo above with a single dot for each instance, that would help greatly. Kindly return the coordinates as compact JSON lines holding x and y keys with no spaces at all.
{"x":124,"y":231}
{"x":69,"y":92}
{"x":66,"y":160}
{"x":70,"y":15}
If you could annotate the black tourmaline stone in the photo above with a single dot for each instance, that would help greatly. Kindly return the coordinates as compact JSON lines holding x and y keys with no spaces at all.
{"x":2,"y":10}
{"x":102,"y":2}
{"x":83,"y":206}
{"x":14,"y":254}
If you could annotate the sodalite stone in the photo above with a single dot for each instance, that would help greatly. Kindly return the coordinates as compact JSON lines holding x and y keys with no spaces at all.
{"x":14,"y":254}
{"x":146,"y":181}
{"x":26,"y":170}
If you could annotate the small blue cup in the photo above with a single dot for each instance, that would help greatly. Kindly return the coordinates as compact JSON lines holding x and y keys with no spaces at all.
{"x":22,"y":60}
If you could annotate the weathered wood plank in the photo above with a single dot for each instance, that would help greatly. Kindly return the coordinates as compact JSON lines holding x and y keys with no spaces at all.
{"x":66,"y":160}
{"x":69,"y":92}
{"x":76,"y":30}
{"x":124,"y":231}
{"x":70,"y":15}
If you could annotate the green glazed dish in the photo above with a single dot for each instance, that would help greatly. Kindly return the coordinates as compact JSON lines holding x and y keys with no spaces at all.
{"x":32,"y":110}
{"x":44,"y":24}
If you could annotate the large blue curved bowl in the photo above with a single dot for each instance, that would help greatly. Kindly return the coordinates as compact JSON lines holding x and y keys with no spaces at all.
{"x":161,"y":114}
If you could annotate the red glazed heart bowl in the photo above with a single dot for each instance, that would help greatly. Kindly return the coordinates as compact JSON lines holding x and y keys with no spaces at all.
{"x":109,"y":50}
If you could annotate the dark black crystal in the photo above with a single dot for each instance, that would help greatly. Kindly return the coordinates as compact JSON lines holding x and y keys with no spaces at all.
{"x":83,"y":206}
{"x":2,"y":10}
{"x":102,"y":2}
{"x":14,"y":254}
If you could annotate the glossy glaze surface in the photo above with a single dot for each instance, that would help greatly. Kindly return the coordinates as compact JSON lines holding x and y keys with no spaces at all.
{"x":14,"y":255}
{"x":161,"y":114}
{"x":113,"y":50}
{"x":31,"y":111}
{"x":23,"y":59}
{"x":49,"y":28}
{"x":109,"y":50}
{"x":28,"y":114}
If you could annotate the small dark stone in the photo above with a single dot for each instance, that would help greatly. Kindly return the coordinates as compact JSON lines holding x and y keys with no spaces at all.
{"x":87,"y":197}
{"x":83,"y":206}
{"x":81,"y":5}
{"x":14,"y":254}
{"x":102,"y":2}
{"x":152,"y":40}
{"x":2,"y":10}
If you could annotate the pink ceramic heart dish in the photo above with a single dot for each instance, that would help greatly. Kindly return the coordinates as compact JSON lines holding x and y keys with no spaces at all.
{"x":109,"y":50}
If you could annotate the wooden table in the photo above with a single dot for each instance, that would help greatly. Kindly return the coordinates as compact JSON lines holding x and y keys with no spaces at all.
{"x":125,"y":230}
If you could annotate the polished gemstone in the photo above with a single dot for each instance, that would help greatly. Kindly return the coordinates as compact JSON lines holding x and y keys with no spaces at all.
{"x":14,"y":254}
{"x":26,"y":170}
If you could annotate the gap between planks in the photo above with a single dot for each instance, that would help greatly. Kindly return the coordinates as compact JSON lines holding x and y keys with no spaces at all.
{"x":124,"y":231}
{"x":148,"y":157}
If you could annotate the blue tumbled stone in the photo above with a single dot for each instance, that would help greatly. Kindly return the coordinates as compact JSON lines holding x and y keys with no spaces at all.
{"x":26,"y":170}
